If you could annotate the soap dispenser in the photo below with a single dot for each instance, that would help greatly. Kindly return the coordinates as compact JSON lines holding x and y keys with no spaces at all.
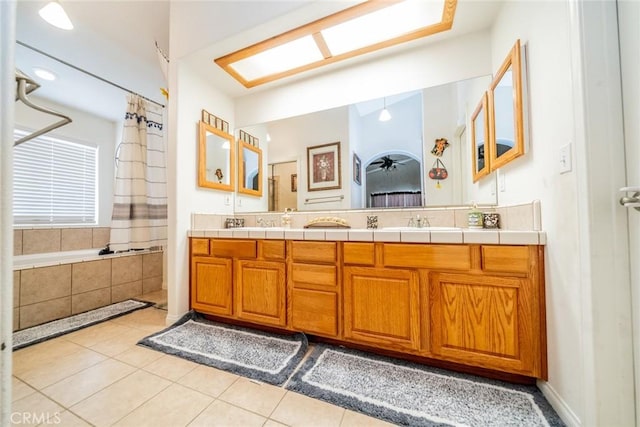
{"x":285,"y":221}
{"x":474,"y":217}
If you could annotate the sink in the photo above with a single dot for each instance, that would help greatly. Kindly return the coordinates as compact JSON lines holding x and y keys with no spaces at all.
{"x":421,"y":229}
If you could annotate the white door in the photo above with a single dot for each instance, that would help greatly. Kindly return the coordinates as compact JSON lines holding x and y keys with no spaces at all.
{"x":629,"y":34}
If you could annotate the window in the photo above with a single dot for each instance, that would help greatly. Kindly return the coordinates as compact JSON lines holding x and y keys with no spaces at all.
{"x":54,"y":182}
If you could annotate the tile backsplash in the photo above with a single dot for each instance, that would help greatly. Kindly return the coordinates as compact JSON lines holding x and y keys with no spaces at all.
{"x":520,"y":217}
{"x":28,"y":241}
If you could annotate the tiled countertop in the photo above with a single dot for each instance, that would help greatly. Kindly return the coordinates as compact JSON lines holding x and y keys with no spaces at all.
{"x":417,"y":235}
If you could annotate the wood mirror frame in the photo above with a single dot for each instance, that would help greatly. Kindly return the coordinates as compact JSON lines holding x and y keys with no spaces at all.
{"x":212,"y":171}
{"x":506,"y":111}
{"x":480,"y":134}
{"x":244,"y":150}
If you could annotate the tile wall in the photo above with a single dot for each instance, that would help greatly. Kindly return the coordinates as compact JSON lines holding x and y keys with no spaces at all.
{"x":27,"y":241}
{"x":521,"y":217}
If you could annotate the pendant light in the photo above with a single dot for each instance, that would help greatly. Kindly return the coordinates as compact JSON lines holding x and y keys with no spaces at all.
{"x":384,"y":114}
{"x":55,"y":15}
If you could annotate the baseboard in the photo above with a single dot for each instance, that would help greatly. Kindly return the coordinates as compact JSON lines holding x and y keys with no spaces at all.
{"x":561,"y":407}
{"x":172,"y":318}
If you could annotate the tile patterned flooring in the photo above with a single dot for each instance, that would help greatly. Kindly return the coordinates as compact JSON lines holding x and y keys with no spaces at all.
{"x":98,"y":376}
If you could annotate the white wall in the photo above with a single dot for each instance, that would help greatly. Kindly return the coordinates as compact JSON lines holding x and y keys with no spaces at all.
{"x":356,"y":144}
{"x":543,"y":27}
{"x":85,"y":128}
{"x":189,"y":94}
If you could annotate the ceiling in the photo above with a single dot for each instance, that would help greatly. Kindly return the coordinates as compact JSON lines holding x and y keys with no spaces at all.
{"x":115,"y":40}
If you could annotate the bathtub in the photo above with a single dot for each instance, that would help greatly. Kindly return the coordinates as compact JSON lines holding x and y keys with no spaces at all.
{"x":50,"y":286}
{"x":21,"y":262}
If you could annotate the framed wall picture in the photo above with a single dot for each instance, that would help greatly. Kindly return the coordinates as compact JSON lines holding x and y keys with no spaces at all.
{"x":294,"y":182}
{"x":357,"y":169}
{"x":323,"y":167}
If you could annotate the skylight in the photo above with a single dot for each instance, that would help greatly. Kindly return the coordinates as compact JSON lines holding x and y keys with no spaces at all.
{"x":366,"y":27}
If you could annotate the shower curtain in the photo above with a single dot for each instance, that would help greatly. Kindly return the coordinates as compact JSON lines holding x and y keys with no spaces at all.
{"x":139,"y":219}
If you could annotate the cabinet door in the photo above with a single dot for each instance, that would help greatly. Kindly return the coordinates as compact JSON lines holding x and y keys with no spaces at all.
{"x":313,"y":304}
{"x":260,"y":292}
{"x":211,"y":285}
{"x":487,"y":321}
{"x":381,"y":306}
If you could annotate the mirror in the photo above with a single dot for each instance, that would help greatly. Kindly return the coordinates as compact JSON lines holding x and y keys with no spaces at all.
{"x":479,"y":138}
{"x":250,"y":169}
{"x":406,"y":141}
{"x":216,"y":158}
{"x":505,"y":103}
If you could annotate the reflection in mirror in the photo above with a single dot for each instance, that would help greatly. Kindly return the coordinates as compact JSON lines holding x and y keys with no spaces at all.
{"x":505,"y":103}
{"x":479,"y":138}
{"x":216,"y":158}
{"x":394,"y":181}
{"x":419,"y":118}
{"x":283,"y":186}
{"x":250,"y":169}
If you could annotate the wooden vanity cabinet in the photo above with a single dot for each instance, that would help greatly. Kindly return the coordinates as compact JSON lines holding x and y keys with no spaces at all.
{"x":240,"y":279}
{"x":476,"y":305}
{"x":314,"y":288}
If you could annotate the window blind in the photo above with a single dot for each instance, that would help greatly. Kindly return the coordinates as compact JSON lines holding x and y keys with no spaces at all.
{"x":54,"y":182}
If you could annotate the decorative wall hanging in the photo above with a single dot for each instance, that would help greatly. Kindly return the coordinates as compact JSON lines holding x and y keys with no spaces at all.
{"x":438,"y":172}
{"x":248,"y":138}
{"x":294,"y":182}
{"x":215,"y":121}
{"x":357,"y":169}
{"x":439,"y":147}
{"x":323,"y":167}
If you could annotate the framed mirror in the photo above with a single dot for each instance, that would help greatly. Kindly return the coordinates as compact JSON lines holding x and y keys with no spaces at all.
{"x":479,"y":138}
{"x":249,"y":169}
{"x":506,"y":106}
{"x":216,"y":158}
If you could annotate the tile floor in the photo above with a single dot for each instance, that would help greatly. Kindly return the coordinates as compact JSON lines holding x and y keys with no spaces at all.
{"x":99,"y":376}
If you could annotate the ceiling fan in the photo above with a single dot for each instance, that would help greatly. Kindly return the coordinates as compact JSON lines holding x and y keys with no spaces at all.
{"x":386,"y":163}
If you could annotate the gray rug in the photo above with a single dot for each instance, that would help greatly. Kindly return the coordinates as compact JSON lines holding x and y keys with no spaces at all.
{"x":55,"y":328}
{"x":254,"y":354}
{"x":416,"y":395}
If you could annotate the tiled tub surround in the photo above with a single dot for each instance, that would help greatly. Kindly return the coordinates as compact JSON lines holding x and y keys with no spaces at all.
{"x":522,"y":217}
{"x":27,"y":241}
{"x":60,"y":288}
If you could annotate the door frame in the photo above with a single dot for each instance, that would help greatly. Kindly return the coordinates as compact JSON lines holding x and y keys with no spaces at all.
{"x":607,"y":351}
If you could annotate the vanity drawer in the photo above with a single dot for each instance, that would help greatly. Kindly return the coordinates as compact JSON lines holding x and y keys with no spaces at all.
{"x":272,"y":249}
{"x":437,"y":257}
{"x":359,"y":253}
{"x":199,"y":246}
{"x":233,"y":248}
{"x":310,"y":276}
{"x":313,"y":251}
{"x":505,"y":259}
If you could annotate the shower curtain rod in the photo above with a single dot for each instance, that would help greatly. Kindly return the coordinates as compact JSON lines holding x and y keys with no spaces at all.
{"x":86,"y":72}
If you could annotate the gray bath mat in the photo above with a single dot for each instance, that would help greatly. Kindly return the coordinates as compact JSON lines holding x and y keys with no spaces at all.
{"x":55,"y":328}
{"x":266,"y":357}
{"x":411,"y":394}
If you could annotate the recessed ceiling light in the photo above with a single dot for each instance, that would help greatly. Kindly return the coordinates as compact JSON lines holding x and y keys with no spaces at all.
{"x":44,"y":74}
{"x":55,"y":15}
{"x":363,"y":28}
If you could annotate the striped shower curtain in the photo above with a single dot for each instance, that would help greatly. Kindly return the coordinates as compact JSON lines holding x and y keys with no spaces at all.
{"x":139,"y":219}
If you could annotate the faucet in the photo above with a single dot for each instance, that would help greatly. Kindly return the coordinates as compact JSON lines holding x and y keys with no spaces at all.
{"x":418,"y":222}
{"x":261,"y":222}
